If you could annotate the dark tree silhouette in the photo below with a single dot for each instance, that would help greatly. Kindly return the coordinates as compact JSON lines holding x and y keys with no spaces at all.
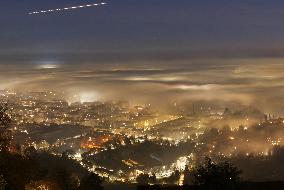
{"x":5,"y":135}
{"x":65,"y":179}
{"x":3,"y":182}
{"x":213,"y":176}
{"x":5,"y":119}
{"x":174,"y":177}
{"x":30,"y":152}
{"x":187,"y":176}
{"x":91,"y":182}
{"x":153,"y":179}
{"x":16,"y":170}
{"x":67,"y":153}
{"x":143,"y":179}
{"x":41,"y":185}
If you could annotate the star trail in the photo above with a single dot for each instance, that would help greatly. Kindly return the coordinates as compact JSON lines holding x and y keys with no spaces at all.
{"x":66,"y":8}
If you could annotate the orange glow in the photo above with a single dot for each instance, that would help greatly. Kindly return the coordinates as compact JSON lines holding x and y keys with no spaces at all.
{"x":96,"y":142}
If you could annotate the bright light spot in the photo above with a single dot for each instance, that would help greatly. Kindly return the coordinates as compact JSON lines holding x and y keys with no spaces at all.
{"x":181,"y":163}
{"x":48,"y":66}
{"x":88,"y":97}
{"x":196,"y":87}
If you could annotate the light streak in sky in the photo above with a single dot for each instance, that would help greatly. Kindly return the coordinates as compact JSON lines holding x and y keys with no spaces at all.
{"x":66,"y":8}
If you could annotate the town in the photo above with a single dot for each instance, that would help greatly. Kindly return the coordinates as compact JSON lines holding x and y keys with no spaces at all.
{"x":120,"y":141}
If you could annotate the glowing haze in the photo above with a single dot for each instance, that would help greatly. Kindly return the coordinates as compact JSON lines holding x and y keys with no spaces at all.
{"x":247,"y":81}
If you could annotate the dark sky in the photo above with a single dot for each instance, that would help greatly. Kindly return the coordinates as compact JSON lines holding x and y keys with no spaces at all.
{"x":141,"y":27}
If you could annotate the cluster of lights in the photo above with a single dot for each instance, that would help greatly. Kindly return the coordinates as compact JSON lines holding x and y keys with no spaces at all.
{"x":66,"y":8}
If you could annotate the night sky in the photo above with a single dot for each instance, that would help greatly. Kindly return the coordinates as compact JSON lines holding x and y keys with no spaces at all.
{"x":138,"y":27}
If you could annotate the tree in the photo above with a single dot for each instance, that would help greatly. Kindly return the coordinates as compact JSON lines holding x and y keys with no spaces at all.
{"x":187,"y":176}
{"x":227,"y":112}
{"x":67,"y":153}
{"x":3,"y":182}
{"x":91,"y":182}
{"x":213,"y":176}
{"x":17,"y":170}
{"x":41,"y":185}
{"x":153,"y":179}
{"x":5,"y":119}
{"x":143,"y":179}
{"x":173,"y":179}
{"x":5,"y":135}
{"x":65,"y":179}
{"x":30,"y":152}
